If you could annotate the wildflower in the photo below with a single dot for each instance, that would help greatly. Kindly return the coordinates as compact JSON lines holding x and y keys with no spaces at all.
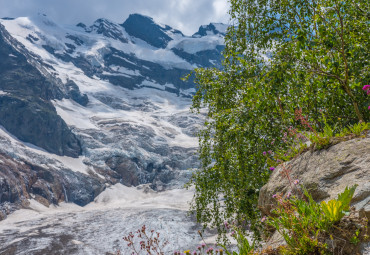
{"x":288,"y":195}
{"x":226,"y":225}
{"x":210,"y":250}
{"x":187,"y":252}
{"x":274,"y":196}
{"x":264,"y":153}
{"x":270,"y":152}
{"x":272,"y":168}
{"x":366,"y":87}
{"x":296,"y":182}
{"x":263,"y":219}
{"x":203,"y":245}
{"x":199,"y":247}
{"x":368,"y":108}
{"x":233,"y":233}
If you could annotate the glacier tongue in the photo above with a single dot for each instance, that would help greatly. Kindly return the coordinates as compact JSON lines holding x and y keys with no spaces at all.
{"x":99,"y":227}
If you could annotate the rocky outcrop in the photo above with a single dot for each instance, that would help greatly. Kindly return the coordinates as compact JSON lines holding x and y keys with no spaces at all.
{"x":146,"y":29}
{"x":325,"y":173}
{"x":21,"y":180}
{"x":25,"y":107}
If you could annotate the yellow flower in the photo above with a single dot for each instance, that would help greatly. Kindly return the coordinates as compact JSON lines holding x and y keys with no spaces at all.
{"x":187,"y":252}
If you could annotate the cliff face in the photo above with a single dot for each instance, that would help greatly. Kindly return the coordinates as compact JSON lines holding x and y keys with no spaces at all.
{"x":325,"y":174}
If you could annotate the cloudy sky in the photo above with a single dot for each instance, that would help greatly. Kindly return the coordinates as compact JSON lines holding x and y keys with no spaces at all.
{"x":185,"y":15}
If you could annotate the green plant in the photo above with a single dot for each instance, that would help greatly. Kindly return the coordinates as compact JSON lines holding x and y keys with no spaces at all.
{"x":359,"y":128}
{"x":355,"y":238}
{"x":300,"y":223}
{"x":243,"y":245}
{"x":334,"y":210}
{"x":303,"y":222}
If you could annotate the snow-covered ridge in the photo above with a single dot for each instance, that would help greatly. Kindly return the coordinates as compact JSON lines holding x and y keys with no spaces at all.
{"x":136,"y":121}
{"x":119,"y":95}
{"x":37,"y":31}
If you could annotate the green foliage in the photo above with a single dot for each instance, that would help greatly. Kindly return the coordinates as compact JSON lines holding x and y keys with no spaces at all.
{"x":355,"y":238}
{"x":359,"y":128}
{"x":334,"y":210}
{"x":302,"y":223}
{"x":279,"y":57}
{"x":299,"y":222}
{"x":243,"y":245}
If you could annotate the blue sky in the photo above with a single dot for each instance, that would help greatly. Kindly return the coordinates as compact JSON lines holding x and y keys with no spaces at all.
{"x":185,"y":15}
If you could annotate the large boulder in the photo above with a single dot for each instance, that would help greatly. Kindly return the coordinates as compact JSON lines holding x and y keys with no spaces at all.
{"x":325,"y":173}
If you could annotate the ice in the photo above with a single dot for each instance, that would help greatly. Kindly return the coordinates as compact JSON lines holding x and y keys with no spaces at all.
{"x":100,"y":226}
{"x":32,"y":153}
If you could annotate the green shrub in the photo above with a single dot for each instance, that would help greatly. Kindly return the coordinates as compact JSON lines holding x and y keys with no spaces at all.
{"x":304,"y":223}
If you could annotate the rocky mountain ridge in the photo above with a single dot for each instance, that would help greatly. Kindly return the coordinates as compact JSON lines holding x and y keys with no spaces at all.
{"x":82,"y":107}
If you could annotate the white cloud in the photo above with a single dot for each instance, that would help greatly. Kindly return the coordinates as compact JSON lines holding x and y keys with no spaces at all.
{"x":185,"y":15}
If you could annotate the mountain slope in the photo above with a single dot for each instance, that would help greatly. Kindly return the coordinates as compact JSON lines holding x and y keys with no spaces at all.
{"x":90,"y":106}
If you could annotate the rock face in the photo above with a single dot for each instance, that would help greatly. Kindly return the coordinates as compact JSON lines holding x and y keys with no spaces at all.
{"x":146,"y":29}
{"x":22,"y":180}
{"x":24,"y":107}
{"x":325,"y":173}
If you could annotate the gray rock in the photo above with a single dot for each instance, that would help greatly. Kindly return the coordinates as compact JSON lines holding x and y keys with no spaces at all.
{"x":325,"y":173}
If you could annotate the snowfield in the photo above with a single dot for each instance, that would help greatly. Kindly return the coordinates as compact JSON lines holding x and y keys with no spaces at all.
{"x":100,"y":226}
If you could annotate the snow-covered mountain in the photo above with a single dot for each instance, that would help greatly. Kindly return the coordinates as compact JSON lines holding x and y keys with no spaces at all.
{"x":84,"y":107}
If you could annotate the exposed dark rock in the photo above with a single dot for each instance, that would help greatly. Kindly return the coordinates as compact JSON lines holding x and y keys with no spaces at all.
{"x":202,"y":58}
{"x":20,"y":180}
{"x":35,"y":121}
{"x":76,"y":40}
{"x":205,"y":29}
{"x":146,"y":29}
{"x":108,"y":29}
{"x":75,"y":94}
{"x":25,"y":110}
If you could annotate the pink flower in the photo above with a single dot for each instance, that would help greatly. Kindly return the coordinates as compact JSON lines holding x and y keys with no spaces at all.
{"x":368,"y":108}
{"x":366,"y":87}
{"x":264,"y":153}
{"x":296,"y":182}
{"x":274,"y":196}
{"x":272,"y":168}
{"x":263,"y":219}
{"x":288,"y":194}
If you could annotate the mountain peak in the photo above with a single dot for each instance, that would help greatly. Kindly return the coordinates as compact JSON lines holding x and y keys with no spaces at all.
{"x":211,"y":29}
{"x":107,"y":28}
{"x":146,"y":29}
